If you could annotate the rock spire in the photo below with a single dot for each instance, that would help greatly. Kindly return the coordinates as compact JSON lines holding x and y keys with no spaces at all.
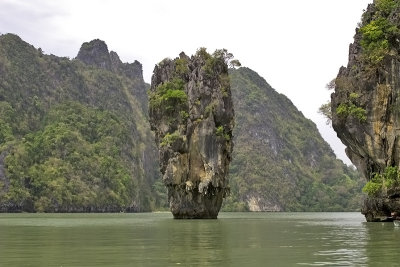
{"x":191,"y":113}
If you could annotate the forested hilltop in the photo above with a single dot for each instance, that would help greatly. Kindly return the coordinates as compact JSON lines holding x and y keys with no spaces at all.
{"x":74,"y":134}
{"x":75,"y":137}
{"x":280,"y":161}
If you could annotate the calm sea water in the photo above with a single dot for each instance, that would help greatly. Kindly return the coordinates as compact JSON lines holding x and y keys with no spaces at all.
{"x":235,"y":239}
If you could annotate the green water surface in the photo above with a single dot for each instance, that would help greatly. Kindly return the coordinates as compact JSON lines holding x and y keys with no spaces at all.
{"x":235,"y":239}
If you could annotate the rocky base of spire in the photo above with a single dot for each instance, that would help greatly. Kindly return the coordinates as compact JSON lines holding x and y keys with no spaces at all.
{"x":191,"y":204}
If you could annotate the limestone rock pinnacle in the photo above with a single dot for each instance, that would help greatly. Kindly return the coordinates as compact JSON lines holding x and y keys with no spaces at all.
{"x":191,"y":113}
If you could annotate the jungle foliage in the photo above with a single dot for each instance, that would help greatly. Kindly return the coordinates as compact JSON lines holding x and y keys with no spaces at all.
{"x":73,"y":137}
{"x":279,"y":156}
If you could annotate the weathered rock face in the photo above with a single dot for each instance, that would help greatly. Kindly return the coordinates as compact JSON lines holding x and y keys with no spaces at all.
{"x":96,"y":53}
{"x":192,"y":115}
{"x":366,"y":104}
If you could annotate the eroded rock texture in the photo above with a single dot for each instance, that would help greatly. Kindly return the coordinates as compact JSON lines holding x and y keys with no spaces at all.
{"x":366,"y":104}
{"x":192,"y":115}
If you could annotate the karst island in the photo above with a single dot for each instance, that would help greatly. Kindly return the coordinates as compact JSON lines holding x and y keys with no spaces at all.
{"x":192,"y":116}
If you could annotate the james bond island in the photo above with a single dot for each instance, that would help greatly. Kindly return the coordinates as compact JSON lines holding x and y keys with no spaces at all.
{"x":191,"y":113}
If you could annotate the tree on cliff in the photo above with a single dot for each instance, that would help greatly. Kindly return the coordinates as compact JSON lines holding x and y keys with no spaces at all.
{"x":227,"y":57}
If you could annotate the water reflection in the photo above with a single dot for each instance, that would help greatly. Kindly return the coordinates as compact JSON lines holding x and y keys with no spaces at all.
{"x":383,"y":244}
{"x":197,"y":242}
{"x":345,"y":246}
{"x":341,"y":239}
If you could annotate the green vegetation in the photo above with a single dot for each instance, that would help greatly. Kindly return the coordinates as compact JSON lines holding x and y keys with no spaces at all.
{"x":374,"y":186}
{"x":379,"y":34}
{"x":279,"y":156}
{"x":381,"y":183}
{"x":220,"y":59}
{"x":376,"y":36}
{"x":385,"y":7}
{"x":170,"y":99}
{"x":170,"y":95}
{"x":326,"y":111}
{"x":169,"y":139}
{"x":181,"y":66}
{"x":351,"y":109}
{"x":345,"y":110}
{"x":202,"y":52}
{"x":74,"y":161}
{"x":73,"y":136}
{"x":183,"y":115}
{"x":212,"y":64}
{"x":223,"y":54}
{"x":208,"y":111}
{"x":225,"y":83}
{"x":219,"y":131}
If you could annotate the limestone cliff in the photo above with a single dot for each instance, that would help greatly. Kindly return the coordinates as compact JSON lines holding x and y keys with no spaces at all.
{"x":365,"y":107}
{"x":192,"y":114}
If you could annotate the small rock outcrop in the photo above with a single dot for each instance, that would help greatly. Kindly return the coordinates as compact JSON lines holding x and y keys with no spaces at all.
{"x":191,"y":113}
{"x":96,"y":53}
{"x":366,"y":107}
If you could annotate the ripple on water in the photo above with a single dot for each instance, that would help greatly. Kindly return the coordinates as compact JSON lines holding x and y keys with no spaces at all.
{"x":235,"y":239}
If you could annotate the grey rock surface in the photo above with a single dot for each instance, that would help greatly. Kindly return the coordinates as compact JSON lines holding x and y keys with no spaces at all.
{"x":191,"y":113}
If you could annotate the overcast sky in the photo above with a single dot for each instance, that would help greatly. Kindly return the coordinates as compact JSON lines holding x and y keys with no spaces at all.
{"x":297,"y":46}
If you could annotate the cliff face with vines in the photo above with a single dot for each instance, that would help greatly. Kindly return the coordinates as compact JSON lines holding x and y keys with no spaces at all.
{"x":366,"y":107}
